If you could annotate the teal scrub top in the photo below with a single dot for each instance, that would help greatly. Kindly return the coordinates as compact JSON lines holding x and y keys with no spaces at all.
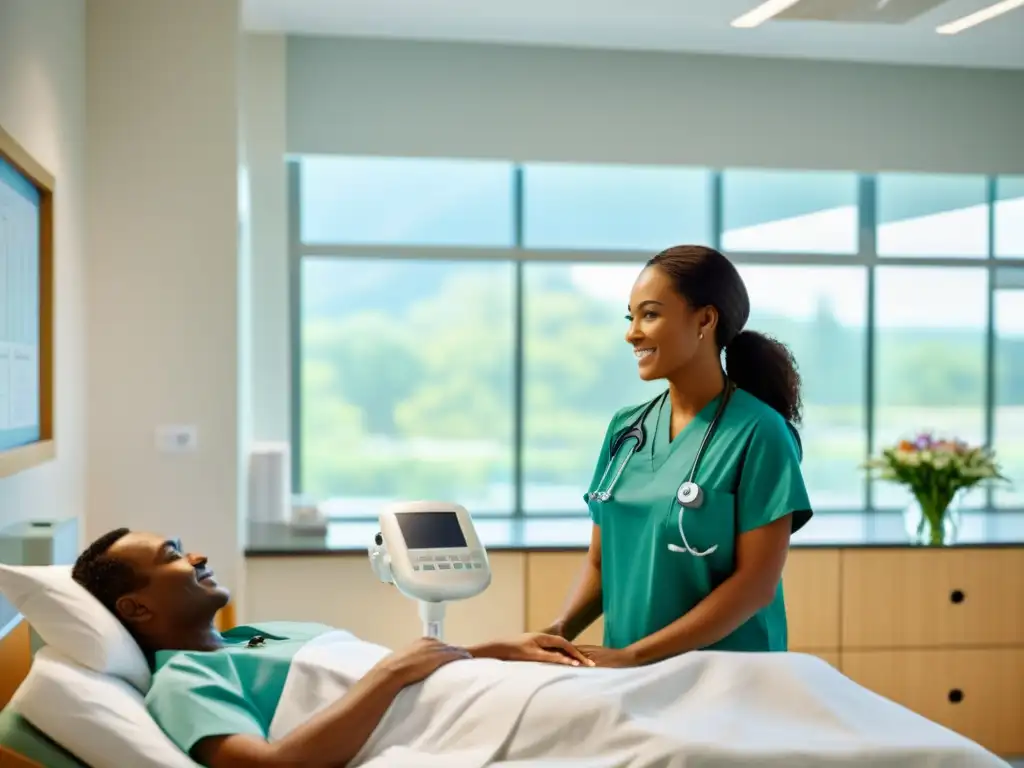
{"x":750,"y":476}
{"x":233,"y":690}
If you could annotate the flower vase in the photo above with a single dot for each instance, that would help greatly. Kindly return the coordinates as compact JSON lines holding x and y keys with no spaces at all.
{"x":931,"y":525}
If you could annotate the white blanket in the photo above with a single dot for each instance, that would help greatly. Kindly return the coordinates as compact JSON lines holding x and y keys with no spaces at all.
{"x":700,"y":710}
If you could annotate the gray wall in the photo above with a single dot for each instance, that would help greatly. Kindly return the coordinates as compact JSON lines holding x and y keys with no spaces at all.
{"x":426,"y":99}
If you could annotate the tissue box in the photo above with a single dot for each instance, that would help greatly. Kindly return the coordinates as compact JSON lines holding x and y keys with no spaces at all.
{"x":308,"y":519}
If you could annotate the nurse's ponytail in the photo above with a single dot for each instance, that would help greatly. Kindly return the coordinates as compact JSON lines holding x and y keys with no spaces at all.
{"x":765,"y":368}
{"x":756,"y":363}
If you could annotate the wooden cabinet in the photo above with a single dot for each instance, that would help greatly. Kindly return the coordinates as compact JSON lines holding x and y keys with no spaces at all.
{"x":810,"y":583}
{"x":949,"y":598}
{"x":550,"y":579}
{"x":977,"y":693}
{"x":15,"y":660}
{"x":940,"y":631}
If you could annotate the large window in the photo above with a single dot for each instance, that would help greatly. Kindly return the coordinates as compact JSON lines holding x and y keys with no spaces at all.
{"x":930,"y":327}
{"x":459,"y":325}
{"x":614,"y":207}
{"x":406,"y":383}
{"x":932,"y":215}
{"x":1009,"y":382}
{"x":394,"y":201}
{"x":1009,"y":217}
{"x":821,"y":313}
{"x":577,"y":372}
{"x":789,"y":212}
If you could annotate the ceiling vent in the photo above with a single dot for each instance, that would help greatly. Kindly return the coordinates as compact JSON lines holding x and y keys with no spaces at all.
{"x":858,"y":11}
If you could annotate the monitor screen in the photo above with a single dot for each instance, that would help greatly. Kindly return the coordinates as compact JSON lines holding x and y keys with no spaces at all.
{"x":431,"y":530}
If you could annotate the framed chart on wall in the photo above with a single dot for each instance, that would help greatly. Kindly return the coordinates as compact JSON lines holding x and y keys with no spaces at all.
{"x":26,"y":310}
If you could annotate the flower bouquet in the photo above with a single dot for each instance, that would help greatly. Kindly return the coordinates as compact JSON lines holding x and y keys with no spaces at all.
{"x":935,"y":471}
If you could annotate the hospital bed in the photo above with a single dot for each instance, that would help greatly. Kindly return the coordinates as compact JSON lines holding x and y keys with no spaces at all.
{"x":78,"y":700}
{"x":96,"y":721}
{"x":22,"y":746}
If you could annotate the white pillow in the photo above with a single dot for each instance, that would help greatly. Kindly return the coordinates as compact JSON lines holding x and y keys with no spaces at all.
{"x":73,"y":622}
{"x":100,"y":720}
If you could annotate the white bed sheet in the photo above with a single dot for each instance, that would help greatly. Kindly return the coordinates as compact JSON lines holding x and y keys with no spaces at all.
{"x":700,"y":710}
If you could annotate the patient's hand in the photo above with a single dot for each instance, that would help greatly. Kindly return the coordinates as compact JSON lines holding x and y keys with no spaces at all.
{"x":534,"y":646}
{"x":419,"y":660}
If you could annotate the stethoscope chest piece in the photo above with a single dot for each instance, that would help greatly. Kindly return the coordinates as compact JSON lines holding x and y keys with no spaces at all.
{"x":690,"y":495}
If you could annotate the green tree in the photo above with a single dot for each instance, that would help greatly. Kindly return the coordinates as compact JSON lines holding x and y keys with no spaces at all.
{"x":376,"y":364}
{"x":328,"y":422}
{"x":463,"y":387}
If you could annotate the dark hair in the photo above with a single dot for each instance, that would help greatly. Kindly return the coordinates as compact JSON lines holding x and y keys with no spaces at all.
{"x":106,"y":577}
{"x":757,"y":363}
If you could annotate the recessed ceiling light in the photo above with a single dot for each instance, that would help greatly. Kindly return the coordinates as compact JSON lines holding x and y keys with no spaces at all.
{"x":763,"y":12}
{"x":978,"y":17}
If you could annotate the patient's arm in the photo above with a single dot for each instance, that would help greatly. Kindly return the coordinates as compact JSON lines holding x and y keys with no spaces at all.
{"x":334,"y":736}
{"x":585,"y":603}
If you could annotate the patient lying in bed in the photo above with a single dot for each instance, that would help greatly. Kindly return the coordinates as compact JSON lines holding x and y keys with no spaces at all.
{"x":216,"y":694}
{"x":307,"y":695}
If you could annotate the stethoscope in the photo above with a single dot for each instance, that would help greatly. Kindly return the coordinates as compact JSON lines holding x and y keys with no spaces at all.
{"x":689,"y":495}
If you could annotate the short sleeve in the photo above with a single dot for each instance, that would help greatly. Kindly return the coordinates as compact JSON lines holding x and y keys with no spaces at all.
{"x":771,"y":484}
{"x":193,"y":699}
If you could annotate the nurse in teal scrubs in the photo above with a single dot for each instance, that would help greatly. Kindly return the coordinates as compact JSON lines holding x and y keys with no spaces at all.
{"x":711,"y":579}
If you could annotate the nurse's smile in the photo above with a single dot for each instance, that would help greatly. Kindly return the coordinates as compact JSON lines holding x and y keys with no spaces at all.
{"x":643,"y":355}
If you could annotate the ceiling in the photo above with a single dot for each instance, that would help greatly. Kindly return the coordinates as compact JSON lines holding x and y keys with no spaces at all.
{"x":700,"y":26}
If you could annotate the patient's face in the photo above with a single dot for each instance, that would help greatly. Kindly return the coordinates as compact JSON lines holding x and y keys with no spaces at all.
{"x":177,"y":586}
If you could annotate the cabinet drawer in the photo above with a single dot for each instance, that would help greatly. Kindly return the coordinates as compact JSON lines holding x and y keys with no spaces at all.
{"x":811,"y":585}
{"x":908,"y":598}
{"x":810,"y":581}
{"x":550,"y":579}
{"x":978,"y":694}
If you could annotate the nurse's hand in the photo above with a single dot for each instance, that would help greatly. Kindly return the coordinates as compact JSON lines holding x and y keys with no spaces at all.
{"x":557,"y":629}
{"x":534,"y":646}
{"x":608,"y":657}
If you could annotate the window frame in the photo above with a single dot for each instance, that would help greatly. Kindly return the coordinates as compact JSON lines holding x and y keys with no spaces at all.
{"x":866,"y":256}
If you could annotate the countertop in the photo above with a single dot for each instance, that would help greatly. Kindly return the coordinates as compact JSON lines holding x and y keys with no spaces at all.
{"x":544,"y":533}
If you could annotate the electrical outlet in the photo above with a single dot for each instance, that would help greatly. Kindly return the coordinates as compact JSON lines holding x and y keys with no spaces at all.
{"x":177,"y":438}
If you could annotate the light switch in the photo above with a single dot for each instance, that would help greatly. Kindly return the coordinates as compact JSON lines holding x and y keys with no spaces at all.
{"x":177,"y":438}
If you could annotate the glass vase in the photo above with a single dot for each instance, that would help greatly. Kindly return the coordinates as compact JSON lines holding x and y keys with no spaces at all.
{"x":931,"y":525}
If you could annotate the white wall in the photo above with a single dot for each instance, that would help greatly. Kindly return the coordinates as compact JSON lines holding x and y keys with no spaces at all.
{"x":388,"y":98}
{"x":264,"y":109}
{"x":42,"y":104}
{"x":342,"y":591}
{"x":163,"y":239}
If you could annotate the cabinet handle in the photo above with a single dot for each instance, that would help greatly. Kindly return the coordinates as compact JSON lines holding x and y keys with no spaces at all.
{"x":956,"y":596}
{"x":956,"y":696}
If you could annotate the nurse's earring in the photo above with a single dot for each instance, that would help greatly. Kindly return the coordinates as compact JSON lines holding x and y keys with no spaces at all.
{"x":700,"y":336}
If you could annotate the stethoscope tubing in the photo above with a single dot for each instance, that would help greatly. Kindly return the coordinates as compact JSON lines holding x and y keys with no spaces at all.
{"x":689,"y":494}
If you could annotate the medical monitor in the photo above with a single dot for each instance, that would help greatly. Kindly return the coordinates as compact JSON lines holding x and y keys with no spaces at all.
{"x":431,"y":530}
{"x":433,"y":552}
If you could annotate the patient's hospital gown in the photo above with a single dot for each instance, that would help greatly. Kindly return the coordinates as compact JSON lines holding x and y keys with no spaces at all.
{"x":234,"y":690}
